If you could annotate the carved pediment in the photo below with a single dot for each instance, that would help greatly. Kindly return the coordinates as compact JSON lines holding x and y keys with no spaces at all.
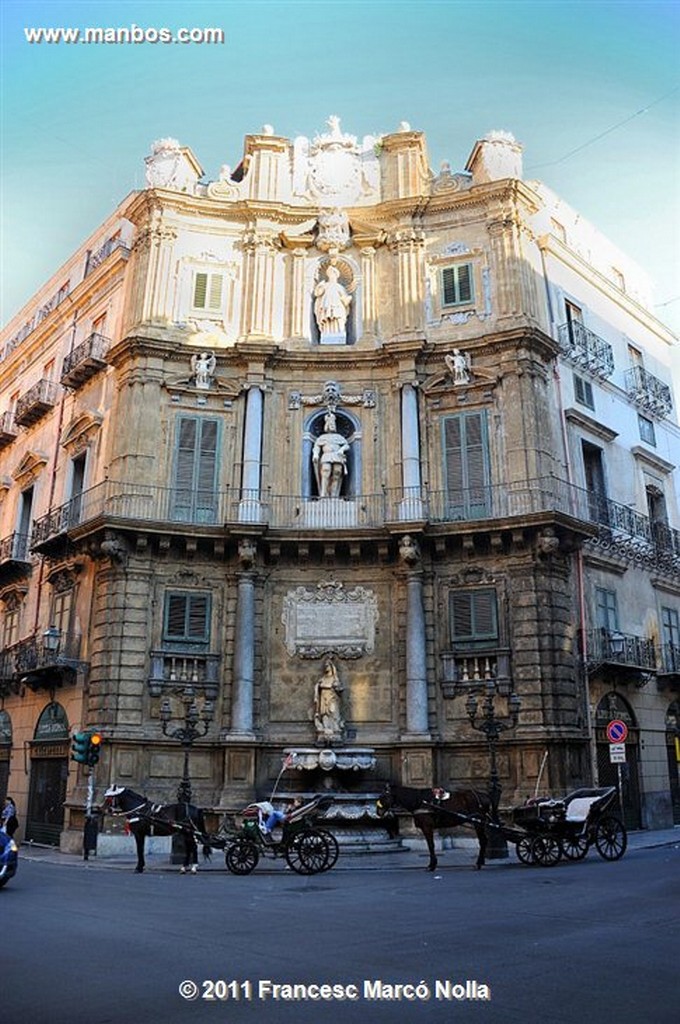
{"x":29,"y":468}
{"x":79,"y":432}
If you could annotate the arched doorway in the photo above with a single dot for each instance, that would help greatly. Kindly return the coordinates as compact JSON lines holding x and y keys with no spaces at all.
{"x":625,"y":776}
{"x":5,"y":752}
{"x":49,"y":771}
{"x":673,"y":751}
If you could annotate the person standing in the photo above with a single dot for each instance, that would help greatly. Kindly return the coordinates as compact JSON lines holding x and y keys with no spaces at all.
{"x":10,"y":822}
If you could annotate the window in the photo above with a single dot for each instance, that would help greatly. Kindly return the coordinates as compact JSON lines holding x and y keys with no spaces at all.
{"x":77,"y":485}
{"x":593,"y":471}
{"x":194,"y":495}
{"x":606,"y":610}
{"x":670,"y":624}
{"x":646,"y":430}
{"x":473,"y":617}
{"x":24,"y":522}
{"x":457,"y":285}
{"x":61,"y":612}
{"x":99,"y":325}
{"x":583,"y":392}
{"x":10,"y":626}
{"x":634,"y":355}
{"x":208,"y":291}
{"x":574,"y":313}
{"x":187,"y":618}
{"x":466,"y":465}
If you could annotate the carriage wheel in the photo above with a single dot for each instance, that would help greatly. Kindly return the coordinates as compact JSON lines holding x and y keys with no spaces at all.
{"x":332,"y":848}
{"x":242,"y":857}
{"x":575,"y":847}
{"x":308,"y":853}
{"x":610,"y":838}
{"x":524,"y":851}
{"x":546,"y":850}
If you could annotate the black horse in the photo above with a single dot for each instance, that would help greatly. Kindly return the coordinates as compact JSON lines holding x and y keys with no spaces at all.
{"x":145,"y":818}
{"x":436,"y":809}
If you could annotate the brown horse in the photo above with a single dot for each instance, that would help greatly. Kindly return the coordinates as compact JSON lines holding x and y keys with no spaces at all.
{"x":460,"y":807}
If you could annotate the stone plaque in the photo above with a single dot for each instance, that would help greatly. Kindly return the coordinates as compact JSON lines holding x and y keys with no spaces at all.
{"x":330,"y":619}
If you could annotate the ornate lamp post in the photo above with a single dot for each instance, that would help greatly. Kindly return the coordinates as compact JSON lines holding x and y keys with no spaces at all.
{"x":491,"y":727}
{"x":195,"y":726}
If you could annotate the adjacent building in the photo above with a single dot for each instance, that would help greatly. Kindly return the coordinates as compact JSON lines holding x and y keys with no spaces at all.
{"x":303,"y":458}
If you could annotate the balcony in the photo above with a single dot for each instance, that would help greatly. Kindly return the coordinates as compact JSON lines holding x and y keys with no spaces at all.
{"x":648,"y":392}
{"x":96,"y":258}
{"x":462,"y":670}
{"x":9,"y":682}
{"x":624,"y":657}
{"x":668,"y":675}
{"x":15,"y":559}
{"x":171,"y":669}
{"x":86,"y":360}
{"x":37,"y":401}
{"x":48,"y":660}
{"x":8,"y":430}
{"x":626,"y":533}
{"x":586,"y":350}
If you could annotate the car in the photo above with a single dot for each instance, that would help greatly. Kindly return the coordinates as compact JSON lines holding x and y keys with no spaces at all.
{"x":9,"y":856}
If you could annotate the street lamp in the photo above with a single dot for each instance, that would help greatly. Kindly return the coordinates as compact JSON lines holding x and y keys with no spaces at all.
{"x":491,"y":727}
{"x":195,"y":726}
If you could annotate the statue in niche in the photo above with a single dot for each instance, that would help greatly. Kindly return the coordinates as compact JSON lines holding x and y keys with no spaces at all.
{"x":203,"y":368}
{"x":331,"y":307}
{"x":327,"y":711}
{"x":329,"y":459}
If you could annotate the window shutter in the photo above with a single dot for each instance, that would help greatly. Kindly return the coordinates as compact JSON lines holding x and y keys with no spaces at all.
{"x":457,"y":284}
{"x":176,"y":616}
{"x":215,"y":294}
{"x":449,"y":285}
{"x":206,"y":473}
{"x":465,"y":283}
{"x":461,"y":609}
{"x":197,"y":617}
{"x":194,"y":496}
{"x":466,"y":465}
{"x":200,"y":290}
{"x":474,"y":616}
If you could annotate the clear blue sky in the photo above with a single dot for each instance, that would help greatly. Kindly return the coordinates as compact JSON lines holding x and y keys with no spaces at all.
{"x":78,"y":120}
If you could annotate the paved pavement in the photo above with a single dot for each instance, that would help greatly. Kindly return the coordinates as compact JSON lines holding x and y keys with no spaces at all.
{"x":458,"y":852}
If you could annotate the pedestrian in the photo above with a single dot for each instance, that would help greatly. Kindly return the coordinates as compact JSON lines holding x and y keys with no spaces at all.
{"x":10,"y":822}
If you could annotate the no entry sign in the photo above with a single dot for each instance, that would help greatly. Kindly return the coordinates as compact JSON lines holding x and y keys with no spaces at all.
{"x":617,"y":731}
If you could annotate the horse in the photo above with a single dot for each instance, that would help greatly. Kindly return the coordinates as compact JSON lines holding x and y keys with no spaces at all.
{"x":435,"y":809}
{"x":145,"y":818}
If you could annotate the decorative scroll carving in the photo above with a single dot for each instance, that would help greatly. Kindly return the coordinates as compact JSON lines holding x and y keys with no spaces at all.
{"x":331,"y":397}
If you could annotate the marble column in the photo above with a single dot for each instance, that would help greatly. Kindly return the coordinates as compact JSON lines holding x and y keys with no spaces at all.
{"x":411,"y":504}
{"x":416,"y":663}
{"x":249,"y":508}
{"x":244,"y":657}
{"x":370,"y":313}
{"x":297,"y":295}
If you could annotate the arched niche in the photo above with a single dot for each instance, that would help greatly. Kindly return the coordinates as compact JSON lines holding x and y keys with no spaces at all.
{"x":349,"y":427}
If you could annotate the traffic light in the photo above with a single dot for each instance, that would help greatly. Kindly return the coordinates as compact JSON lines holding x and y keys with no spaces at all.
{"x":80,"y":743}
{"x":93,"y":749}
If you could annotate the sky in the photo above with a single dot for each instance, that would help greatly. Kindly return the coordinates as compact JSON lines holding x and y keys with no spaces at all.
{"x":590,"y":88}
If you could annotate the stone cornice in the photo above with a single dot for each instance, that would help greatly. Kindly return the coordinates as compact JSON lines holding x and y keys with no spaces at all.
{"x":652,"y":459}
{"x":590,"y":424}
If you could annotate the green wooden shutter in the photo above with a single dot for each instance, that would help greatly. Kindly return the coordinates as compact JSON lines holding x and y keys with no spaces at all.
{"x":194,"y":495}
{"x":200,"y":290}
{"x":474,"y":616}
{"x":457,"y":284}
{"x":215,"y":293}
{"x":187,"y":618}
{"x":464,"y":282}
{"x":466,"y":463}
{"x":449,"y":286}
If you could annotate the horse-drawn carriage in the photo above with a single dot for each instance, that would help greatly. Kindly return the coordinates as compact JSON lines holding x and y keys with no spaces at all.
{"x":307,"y":848}
{"x":542,"y":830}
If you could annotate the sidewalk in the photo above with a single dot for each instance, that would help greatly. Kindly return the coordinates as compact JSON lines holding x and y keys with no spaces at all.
{"x":461,"y":854}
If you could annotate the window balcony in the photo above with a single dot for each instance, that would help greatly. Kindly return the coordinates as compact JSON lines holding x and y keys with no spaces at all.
{"x":668,"y":675}
{"x":647,"y":392}
{"x":585,"y":349}
{"x":15,"y":559}
{"x":86,"y":360}
{"x":172,"y":669}
{"x":96,"y":258}
{"x":462,"y":670}
{"x":9,"y":682}
{"x":37,"y":401}
{"x":621,"y":656}
{"x":8,"y":430}
{"x":45,"y":661}
{"x":626,"y":533}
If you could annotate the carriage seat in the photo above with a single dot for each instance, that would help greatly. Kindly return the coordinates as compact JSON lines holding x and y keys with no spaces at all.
{"x":579,"y":808}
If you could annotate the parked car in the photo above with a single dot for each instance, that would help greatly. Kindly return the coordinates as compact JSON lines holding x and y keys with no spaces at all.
{"x":9,"y":856}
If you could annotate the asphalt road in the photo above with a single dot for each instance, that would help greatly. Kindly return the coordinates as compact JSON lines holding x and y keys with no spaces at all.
{"x":585,"y":942}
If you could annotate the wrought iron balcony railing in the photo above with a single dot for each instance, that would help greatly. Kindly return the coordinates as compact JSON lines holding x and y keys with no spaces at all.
{"x":648,"y":392}
{"x":36,"y":402}
{"x":85,"y":360}
{"x":585,"y":349}
{"x":15,"y":548}
{"x":96,"y":258}
{"x":44,"y":660}
{"x":9,"y":681}
{"x":610,"y":647}
{"x":670,"y":659}
{"x":624,"y":532}
{"x":8,"y":430}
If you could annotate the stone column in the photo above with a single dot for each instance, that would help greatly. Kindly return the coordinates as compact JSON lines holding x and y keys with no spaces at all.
{"x":408,"y":246}
{"x":297,"y":295}
{"x":157,"y":299}
{"x":258,"y":286}
{"x":370,"y":314}
{"x":416,"y":665}
{"x":244,"y":657}
{"x":411,"y":504}
{"x":249,"y":508}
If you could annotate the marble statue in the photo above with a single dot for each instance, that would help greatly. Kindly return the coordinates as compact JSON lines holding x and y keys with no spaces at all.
{"x":331,"y":306}
{"x":459,"y":366}
{"x":328,"y":720}
{"x":203,"y":368}
{"x":329,"y":459}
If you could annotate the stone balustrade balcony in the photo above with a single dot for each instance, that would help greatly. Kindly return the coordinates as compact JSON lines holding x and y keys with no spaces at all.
{"x":465,"y":669}
{"x":172,"y":669}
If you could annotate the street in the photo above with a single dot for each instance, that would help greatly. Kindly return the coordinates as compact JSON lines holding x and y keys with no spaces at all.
{"x":590,"y":941}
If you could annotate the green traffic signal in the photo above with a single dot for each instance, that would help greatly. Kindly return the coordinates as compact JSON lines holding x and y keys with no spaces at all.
{"x":80,"y":742}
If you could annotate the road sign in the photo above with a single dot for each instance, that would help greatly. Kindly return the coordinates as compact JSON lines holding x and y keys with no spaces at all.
{"x":617,"y":731}
{"x":617,"y":753}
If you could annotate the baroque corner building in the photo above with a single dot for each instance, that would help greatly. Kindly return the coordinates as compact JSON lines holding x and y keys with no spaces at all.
{"x":319,"y":449}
